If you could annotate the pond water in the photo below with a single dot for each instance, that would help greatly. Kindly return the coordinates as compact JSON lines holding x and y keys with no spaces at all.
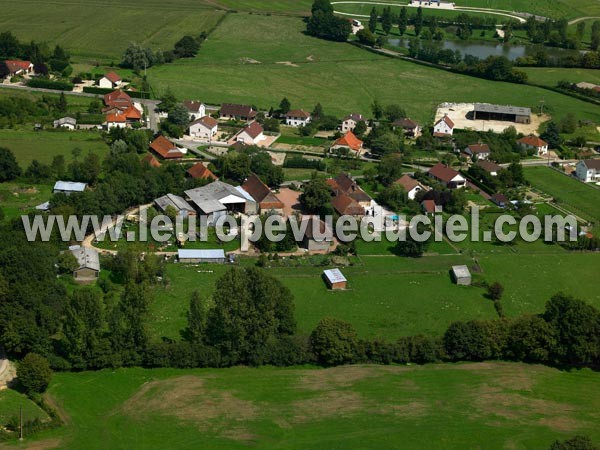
{"x":482,"y":49}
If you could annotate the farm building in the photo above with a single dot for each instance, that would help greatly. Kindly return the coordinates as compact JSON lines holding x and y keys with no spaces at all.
{"x":68,"y":187}
{"x":89,"y":264}
{"x":317,"y":236}
{"x":335,"y":279}
{"x":201,"y":256}
{"x":183,"y":208}
{"x":461,"y":275}
{"x":260,"y":192}
{"x":217,"y":198}
{"x":516,"y":114}
{"x":65,"y":122}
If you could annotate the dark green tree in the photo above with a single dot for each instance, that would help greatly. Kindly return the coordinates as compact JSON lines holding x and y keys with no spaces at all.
{"x":9,"y":168}
{"x":34,"y":373}
{"x":373,"y":20}
{"x":402,"y":21}
{"x":334,"y":342}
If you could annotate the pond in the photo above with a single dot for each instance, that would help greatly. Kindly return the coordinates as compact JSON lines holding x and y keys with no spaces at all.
{"x":482,"y":49}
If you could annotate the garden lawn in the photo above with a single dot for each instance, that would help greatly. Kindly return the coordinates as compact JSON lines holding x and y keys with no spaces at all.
{"x":439,"y":406}
{"x":579,"y":198}
{"x":247,"y":60}
{"x":45,"y":145}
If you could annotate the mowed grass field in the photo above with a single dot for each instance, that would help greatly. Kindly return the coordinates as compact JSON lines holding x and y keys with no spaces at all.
{"x":256,"y":59}
{"x":450,"y":406}
{"x":44,"y":145}
{"x":579,"y":198}
{"x":102,"y":30}
{"x":550,"y":76}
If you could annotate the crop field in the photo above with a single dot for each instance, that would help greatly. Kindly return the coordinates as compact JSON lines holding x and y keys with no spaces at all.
{"x":577,"y":197}
{"x":44,"y":145}
{"x":449,"y":406}
{"x":102,"y":30}
{"x":258,"y":60}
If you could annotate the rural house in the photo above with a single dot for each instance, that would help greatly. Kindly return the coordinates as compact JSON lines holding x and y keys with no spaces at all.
{"x":411,"y":128}
{"x":165,"y":148}
{"x":195,"y":109}
{"x":193,"y":256}
{"x":348,"y":142}
{"x":88,"y":262}
{"x":260,"y":192}
{"x":199,"y":171}
{"x":490,"y":167}
{"x":251,"y":134}
{"x":118,"y":99}
{"x":217,"y":198}
{"x":478,"y":151}
{"x":204,"y":128}
{"x":428,"y":207}
{"x":410,"y":185}
{"x":110,"y":81}
{"x":68,"y":187}
{"x":297,"y":118}
{"x":65,"y":122}
{"x":334,"y":279}
{"x":317,"y":236}
{"x":230,"y":111}
{"x":447,"y":176}
{"x":499,"y":200}
{"x":115,"y":120}
{"x":18,"y":67}
{"x":532,"y":142}
{"x":347,"y":206}
{"x":443,"y":127}
{"x":350,"y":121}
{"x":588,"y":170}
{"x":182,"y":208}
{"x":344,"y":184}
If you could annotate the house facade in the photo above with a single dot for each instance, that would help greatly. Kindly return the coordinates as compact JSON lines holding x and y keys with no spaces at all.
{"x":410,"y":185}
{"x":251,"y":134}
{"x":349,"y":142}
{"x":297,"y":118}
{"x":195,"y":108}
{"x":350,"y":121}
{"x":68,"y":123}
{"x":478,"y":151}
{"x":532,"y":142}
{"x":447,"y":176}
{"x":231,"y":111}
{"x":110,"y":81}
{"x":204,"y":128}
{"x":443,"y":127}
{"x":411,"y":128}
{"x":588,"y":170}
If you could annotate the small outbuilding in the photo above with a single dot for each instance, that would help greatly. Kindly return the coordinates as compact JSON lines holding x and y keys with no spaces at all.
{"x":335,"y":279}
{"x":89,"y":264}
{"x":461,"y":275}
{"x":192,"y":256}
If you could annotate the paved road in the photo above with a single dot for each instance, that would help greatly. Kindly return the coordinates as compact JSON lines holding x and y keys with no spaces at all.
{"x":193,"y":147}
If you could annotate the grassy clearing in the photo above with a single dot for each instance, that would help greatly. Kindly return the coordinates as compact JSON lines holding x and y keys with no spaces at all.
{"x":451,"y":406}
{"x":581,"y":199}
{"x":550,"y":76}
{"x":92,"y":30}
{"x":20,"y":198}
{"x":10,"y":403}
{"x":44,"y":145}
{"x":341,"y":77}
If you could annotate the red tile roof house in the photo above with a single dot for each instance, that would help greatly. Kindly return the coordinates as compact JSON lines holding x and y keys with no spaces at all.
{"x":260,"y":192}
{"x":297,"y":118}
{"x":204,"y":128}
{"x":411,"y":186}
{"x":109,"y":81}
{"x":196,"y":109}
{"x":116,"y":120}
{"x":531,"y":142}
{"x":478,"y":151}
{"x":411,"y":128}
{"x":447,"y":176}
{"x":18,"y":67}
{"x":151,"y":161}
{"x":347,"y":206}
{"x":251,"y":134}
{"x":199,"y":172}
{"x":165,"y":148}
{"x":230,"y":111}
{"x":344,"y":185}
{"x":350,"y":142}
{"x":350,"y":121}
{"x":443,"y":127}
{"x":118,"y":98}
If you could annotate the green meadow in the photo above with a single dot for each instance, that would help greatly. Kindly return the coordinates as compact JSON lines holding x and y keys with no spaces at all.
{"x":450,"y":406}
{"x":256,"y":59}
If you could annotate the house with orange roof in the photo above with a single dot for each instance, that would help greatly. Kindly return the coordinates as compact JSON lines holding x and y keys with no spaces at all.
{"x":251,"y":134}
{"x":532,"y":142}
{"x":443,"y":127}
{"x":199,"y":172}
{"x":117,"y":98}
{"x":16,"y":67}
{"x":165,"y":148}
{"x":110,"y":81}
{"x":428,"y":207}
{"x":350,"y":142}
{"x":115,"y":120}
{"x":151,"y":161}
{"x":262,"y":195}
{"x":347,"y":206}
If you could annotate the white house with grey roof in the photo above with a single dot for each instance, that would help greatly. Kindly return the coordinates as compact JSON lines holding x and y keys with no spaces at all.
{"x":176,"y":202}
{"x":588,"y":170}
{"x":88,"y":264}
{"x":68,"y":187}
{"x":65,"y":122}
{"x":218,"y":198}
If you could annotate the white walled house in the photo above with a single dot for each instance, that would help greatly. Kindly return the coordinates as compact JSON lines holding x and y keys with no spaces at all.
{"x":531,"y":142}
{"x":297,"y":118}
{"x":204,"y":128}
{"x":251,"y":134}
{"x":588,"y":170}
{"x":411,"y":186}
{"x":478,"y":151}
{"x":110,"y":81}
{"x":350,"y":121}
{"x":443,"y":127}
{"x":196,"y":109}
{"x":447,"y":176}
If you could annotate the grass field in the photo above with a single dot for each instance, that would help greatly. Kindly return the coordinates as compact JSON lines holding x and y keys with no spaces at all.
{"x":550,"y":76}
{"x":92,"y":30}
{"x":243,"y":60}
{"x":10,"y":403}
{"x":20,"y":198}
{"x":581,"y":199}
{"x":451,"y":406}
{"x":44,"y":145}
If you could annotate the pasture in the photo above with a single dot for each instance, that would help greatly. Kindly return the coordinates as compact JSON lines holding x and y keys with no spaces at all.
{"x":28,"y":145}
{"x":577,"y":197}
{"x":20,"y":198}
{"x":258,"y":60}
{"x":449,"y":406}
{"x":550,"y":76}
